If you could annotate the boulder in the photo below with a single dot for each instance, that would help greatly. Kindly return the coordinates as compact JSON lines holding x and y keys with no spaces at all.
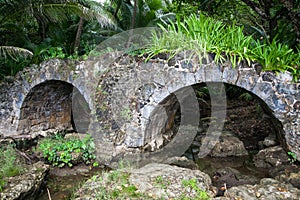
{"x":294,"y":179}
{"x":151,"y":177}
{"x":182,"y":162}
{"x":80,"y":136}
{"x":270,"y":141}
{"x":289,"y":175}
{"x":229,"y":177}
{"x":26,"y":186}
{"x":267,"y":189}
{"x":154,"y":181}
{"x":228,"y":145}
{"x":270,"y":157}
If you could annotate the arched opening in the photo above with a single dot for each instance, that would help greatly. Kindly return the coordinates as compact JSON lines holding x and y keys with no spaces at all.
{"x":247,"y":117}
{"x":54,"y":106}
{"x":248,"y":128}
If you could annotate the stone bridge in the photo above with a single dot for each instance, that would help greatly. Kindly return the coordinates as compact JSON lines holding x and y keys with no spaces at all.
{"x":126,"y":102}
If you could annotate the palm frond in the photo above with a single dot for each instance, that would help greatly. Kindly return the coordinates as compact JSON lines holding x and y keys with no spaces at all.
{"x":14,"y":52}
{"x":57,"y":11}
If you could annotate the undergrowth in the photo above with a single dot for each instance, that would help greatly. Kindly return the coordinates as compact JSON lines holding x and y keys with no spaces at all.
{"x":60,"y":151}
{"x":205,"y":35}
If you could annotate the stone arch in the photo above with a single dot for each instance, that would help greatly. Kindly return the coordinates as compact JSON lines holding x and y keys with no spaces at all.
{"x":148,"y":84}
{"x":167,"y":113}
{"x":68,"y":72}
{"x":53,"y":105}
{"x":169,"y":108}
{"x":270,"y":115}
{"x":161,"y":77}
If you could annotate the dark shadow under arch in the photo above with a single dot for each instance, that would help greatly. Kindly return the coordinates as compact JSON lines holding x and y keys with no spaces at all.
{"x":166,"y":130}
{"x":54,"y":105}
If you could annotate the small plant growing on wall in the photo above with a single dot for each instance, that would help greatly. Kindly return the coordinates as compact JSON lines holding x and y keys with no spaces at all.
{"x":60,"y":151}
{"x":292,"y":157}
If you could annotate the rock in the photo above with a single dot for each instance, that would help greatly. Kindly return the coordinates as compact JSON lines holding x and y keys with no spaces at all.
{"x":195,"y":147}
{"x":80,"y":136}
{"x":287,"y":173}
{"x":91,"y":188}
{"x":158,"y":181}
{"x":182,"y":162}
{"x":145,"y":179}
{"x":228,"y":145}
{"x":267,"y":189}
{"x":270,"y":141}
{"x":66,"y":171}
{"x":270,"y":157}
{"x":294,"y":179}
{"x":230,"y":177}
{"x":26,"y":186}
{"x":221,"y":198}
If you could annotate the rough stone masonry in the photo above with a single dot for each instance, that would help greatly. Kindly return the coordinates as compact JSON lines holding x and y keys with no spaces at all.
{"x":125,"y":101}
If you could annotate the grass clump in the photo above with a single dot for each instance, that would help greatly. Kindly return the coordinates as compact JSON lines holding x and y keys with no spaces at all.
{"x":10,"y":165}
{"x":191,"y":184}
{"x":60,"y":151}
{"x":205,"y":35}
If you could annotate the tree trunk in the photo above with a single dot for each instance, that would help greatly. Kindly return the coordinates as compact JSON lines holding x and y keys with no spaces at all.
{"x":78,"y":34}
{"x":119,"y":3}
{"x":134,"y":14}
{"x":132,"y":23}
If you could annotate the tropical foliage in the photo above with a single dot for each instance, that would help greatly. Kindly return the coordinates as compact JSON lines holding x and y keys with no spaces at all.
{"x":268,"y":19}
{"x":60,"y":151}
{"x":205,"y":35}
{"x":34,"y":28}
{"x":139,"y":13}
{"x":266,"y":31}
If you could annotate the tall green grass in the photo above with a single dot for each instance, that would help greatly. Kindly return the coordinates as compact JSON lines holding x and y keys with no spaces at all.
{"x":205,"y":35}
{"x":9,"y":164}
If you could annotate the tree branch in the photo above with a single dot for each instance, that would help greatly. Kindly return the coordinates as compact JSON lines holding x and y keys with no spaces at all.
{"x":254,"y":6}
{"x":78,"y":34}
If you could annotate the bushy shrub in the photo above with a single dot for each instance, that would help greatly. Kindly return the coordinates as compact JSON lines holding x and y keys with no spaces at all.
{"x":60,"y":151}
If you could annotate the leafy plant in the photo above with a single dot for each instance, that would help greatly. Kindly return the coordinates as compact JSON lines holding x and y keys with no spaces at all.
{"x":60,"y":151}
{"x":292,"y":157}
{"x":39,"y":30}
{"x":275,"y":56}
{"x":202,"y":34}
{"x":205,"y":35}
{"x":246,"y":96}
{"x":202,"y":92}
{"x":52,"y":52}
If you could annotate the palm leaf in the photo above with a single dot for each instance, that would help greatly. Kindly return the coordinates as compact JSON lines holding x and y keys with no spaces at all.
{"x":55,"y":11}
{"x":14,"y":52}
{"x":59,"y":12}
